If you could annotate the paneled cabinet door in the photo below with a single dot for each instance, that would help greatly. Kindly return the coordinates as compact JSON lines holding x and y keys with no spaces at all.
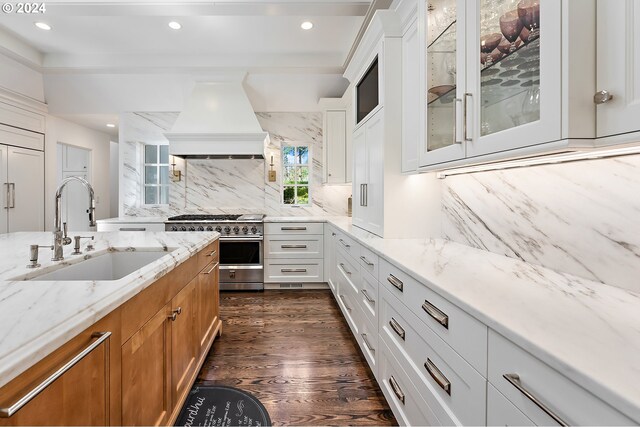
{"x":25,"y":176}
{"x":336,"y":144}
{"x":360,"y":176}
{"x":208,"y":304}
{"x":5,"y":197}
{"x":374,"y":189}
{"x":618,"y":67}
{"x":184,"y":340}
{"x":411,"y":117}
{"x":146,"y":384}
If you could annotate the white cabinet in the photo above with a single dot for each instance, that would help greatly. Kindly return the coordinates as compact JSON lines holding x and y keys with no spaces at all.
{"x":368,"y":179}
{"x":22,"y":178}
{"x":618,"y":67}
{"x":411,"y":117}
{"x":330,"y":248}
{"x":337,"y":129}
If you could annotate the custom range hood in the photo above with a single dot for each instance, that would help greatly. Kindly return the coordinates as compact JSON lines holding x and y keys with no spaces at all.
{"x":217,"y":121}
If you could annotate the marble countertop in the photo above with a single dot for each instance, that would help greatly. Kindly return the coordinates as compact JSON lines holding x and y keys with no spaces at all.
{"x":37,"y":317}
{"x":588,"y":331}
{"x":134,"y":220}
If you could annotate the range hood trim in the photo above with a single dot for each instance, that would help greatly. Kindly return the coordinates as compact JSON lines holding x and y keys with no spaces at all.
{"x":226,"y":144}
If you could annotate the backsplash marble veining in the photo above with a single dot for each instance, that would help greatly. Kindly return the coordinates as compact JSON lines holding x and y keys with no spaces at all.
{"x":581,"y":218}
{"x":220,"y":186}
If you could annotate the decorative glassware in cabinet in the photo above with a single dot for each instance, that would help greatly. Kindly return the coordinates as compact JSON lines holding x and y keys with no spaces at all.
{"x":510,"y":58}
{"x":441,"y":73}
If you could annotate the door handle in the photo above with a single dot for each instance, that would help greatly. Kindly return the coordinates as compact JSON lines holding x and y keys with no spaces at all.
{"x":467,"y":97}
{"x":361,"y":194}
{"x":12,"y":186}
{"x":8,"y":194}
{"x":366,"y":194}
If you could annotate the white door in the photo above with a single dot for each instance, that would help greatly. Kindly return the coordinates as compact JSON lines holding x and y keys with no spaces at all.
{"x":618,"y":44}
{"x":26,"y":180}
{"x":374,"y":186}
{"x":359,"y":210}
{"x":4,"y":189}
{"x":336,"y":146}
{"x":75,"y":161}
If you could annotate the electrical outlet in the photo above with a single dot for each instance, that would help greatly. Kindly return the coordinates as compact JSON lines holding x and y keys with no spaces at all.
{"x":272,"y":176}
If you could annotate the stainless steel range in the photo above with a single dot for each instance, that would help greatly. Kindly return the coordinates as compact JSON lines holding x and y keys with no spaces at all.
{"x":241,"y":246}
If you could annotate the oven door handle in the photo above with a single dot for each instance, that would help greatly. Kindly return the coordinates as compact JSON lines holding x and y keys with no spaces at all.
{"x":242,"y":239}
{"x":241,"y":267}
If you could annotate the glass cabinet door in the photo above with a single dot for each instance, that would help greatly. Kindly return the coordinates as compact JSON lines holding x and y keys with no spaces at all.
{"x":513,"y":66}
{"x":444,"y":79}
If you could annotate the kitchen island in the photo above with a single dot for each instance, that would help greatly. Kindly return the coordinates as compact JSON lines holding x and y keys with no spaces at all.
{"x":158,"y":321}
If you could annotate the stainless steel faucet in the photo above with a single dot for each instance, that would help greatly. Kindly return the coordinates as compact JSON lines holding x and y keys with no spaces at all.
{"x":60,"y":237}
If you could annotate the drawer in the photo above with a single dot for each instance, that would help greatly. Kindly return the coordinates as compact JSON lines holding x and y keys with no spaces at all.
{"x":208,"y":254}
{"x":368,"y":340}
{"x":348,"y":271}
{"x":311,"y":228}
{"x":348,"y":244}
{"x":562,"y":397}
{"x":293,"y":270}
{"x":277,"y":246}
{"x":452,"y":387}
{"x":501,"y":412}
{"x":403,"y":398}
{"x":368,"y":297}
{"x":136,"y":226}
{"x":349,"y":308}
{"x":369,"y":261}
{"x":460,"y":330}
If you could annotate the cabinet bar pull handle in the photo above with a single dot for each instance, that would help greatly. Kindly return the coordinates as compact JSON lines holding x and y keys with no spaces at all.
{"x":514,"y":380}
{"x":345,"y":303}
{"x":397,"y":328}
{"x":367,"y":343}
{"x":8,"y":194}
{"x":436,"y":313}
{"x":212,"y":268}
{"x":346,"y":245}
{"x":455,"y":120}
{"x":438,"y":376}
{"x":396,"y":282}
{"x":133,"y":229}
{"x":293,"y":228}
{"x":213,"y":253}
{"x":368,"y":297}
{"x":11,"y":410}
{"x":12,"y":185}
{"x":366,"y":194}
{"x":396,"y":389}
{"x":293,"y":270}
{"x":467,"y":96}
{"x":366,"y":261}
{"x":344,"y":269}
{"x":361,"y":194}
{"x":293,"y":246}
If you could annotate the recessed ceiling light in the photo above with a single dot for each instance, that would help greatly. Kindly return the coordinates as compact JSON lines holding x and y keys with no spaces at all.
{"x":43,"y":26}
{"x":306,"y":25}
{"x":110,"y":125}
{"x":174,"y":25}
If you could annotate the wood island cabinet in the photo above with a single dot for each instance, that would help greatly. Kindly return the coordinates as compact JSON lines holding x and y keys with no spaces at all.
{"x":133,"y":367}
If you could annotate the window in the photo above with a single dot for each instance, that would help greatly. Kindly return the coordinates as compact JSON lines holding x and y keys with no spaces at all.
{"x":295,"y":175}
{"x":156,"y":174}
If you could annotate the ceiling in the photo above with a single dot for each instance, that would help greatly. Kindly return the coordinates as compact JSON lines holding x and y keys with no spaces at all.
{"x":94,"y":46}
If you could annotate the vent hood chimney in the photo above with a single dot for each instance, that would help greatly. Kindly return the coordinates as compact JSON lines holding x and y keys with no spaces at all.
{"x":218,"y":121}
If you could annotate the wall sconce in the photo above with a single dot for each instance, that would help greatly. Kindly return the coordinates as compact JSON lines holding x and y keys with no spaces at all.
{"x":176,"y":175}
{"x":272,"y":173}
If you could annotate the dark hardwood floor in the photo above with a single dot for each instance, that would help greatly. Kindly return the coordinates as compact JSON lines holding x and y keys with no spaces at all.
{"x":294,"y":351}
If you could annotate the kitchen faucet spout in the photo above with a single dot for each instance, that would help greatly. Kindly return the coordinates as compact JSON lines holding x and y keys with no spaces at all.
{"x":60,"y":237}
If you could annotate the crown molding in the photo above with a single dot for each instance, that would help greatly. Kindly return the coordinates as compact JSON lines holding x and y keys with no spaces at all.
{"x":18,"y":100}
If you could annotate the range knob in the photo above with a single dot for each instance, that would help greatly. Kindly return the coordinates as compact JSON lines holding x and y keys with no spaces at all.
{"x":245,"y":229}
{"x":174,"y":228}
{"x":183,"y":228}
{"x":192,"y":229}
{"x":201,"y":228}
{"x":236,"y":229}
{"x":209,"y":228}
{"x":219,"y":229}
{"x":227,"y":229}
{"x":254,"y":229}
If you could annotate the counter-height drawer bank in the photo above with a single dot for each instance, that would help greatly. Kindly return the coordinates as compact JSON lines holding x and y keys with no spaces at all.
{"x":294,"y":252}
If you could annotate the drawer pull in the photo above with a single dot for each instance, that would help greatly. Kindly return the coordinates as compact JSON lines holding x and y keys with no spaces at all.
{"x":333,"y":234}
{"x":396,"y":389}
{"x":436,"y":313}
{"x":366,"y":261}
{"x":133,"y":229}
{"x":438,"y":376}
{"x":367,"y":343}
{"x":396,"y":282}
{"x":213,"y":253}
{"x":293,"y":246}
{"x":345,"y":303}
{"x":344,"y":269}
{"x":11,"y":410}
{"x":397,"y":328}
{"x":293,"y":270}
{"x":514,"y":380}
{"x":346,"y":245}
{"x":368,"y":297}
{"x":212,"y":268}
{"x":293,"y":228}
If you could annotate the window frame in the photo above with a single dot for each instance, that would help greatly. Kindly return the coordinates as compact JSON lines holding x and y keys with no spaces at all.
{"x":308,"y":165}
{"x":158,"y":185}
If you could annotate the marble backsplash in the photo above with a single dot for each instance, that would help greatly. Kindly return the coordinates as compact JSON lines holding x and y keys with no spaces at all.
{"x":224,"y":186}
{"x":581,"y":218}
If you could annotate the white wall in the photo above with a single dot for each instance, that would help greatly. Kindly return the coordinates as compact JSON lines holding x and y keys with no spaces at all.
{"x":59,"y":130}
{"x":19,"y":78}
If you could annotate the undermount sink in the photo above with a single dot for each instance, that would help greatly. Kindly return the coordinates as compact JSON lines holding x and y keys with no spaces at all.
{"x":107,"y":266}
